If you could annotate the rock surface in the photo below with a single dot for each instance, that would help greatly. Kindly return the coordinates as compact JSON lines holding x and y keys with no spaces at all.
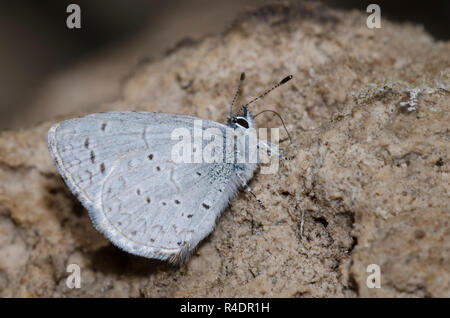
{"x":368,"y":112}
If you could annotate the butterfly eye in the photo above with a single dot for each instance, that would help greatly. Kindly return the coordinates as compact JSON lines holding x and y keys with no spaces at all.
{"x":242,"y":122}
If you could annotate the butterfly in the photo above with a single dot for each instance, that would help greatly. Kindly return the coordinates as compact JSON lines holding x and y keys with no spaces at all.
{"x":120,"y":166}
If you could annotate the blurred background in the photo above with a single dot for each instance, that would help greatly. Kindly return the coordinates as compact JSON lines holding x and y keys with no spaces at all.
{"x":49,"y":70}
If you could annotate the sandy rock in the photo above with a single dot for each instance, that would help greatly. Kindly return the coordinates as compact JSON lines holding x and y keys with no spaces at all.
{"x":368,"y":112}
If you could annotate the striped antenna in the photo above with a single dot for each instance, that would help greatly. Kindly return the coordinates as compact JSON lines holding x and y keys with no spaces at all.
{"x":237,"y":93}
{"x":283,"y":81}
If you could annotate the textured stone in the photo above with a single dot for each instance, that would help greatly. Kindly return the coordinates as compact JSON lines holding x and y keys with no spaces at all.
{"x":368,"y":112}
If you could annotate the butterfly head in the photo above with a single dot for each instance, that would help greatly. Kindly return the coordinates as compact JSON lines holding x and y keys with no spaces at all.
{"x":242,"y":120}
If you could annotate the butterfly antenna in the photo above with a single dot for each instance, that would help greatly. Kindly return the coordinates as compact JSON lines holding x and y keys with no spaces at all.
{"x":237,"y":93}
{"x":283,"y":81}
{"x":279,"y":116}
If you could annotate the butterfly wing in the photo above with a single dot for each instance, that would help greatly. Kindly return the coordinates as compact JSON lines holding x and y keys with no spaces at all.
{"x":120,"y":167}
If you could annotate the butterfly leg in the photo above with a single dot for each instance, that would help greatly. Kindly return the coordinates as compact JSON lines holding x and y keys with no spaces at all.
{"x":269,"y":150}
{"x":250,"y":191}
